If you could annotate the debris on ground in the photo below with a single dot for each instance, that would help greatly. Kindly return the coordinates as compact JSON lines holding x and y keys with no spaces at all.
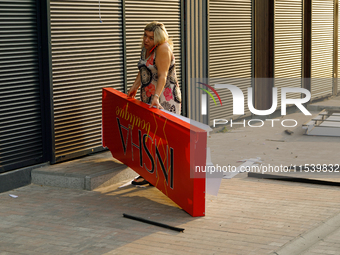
{"x":275,"y":140}
{"x":223,"y":130}
{"x":153,"y":222}
{"x":289,"y":132}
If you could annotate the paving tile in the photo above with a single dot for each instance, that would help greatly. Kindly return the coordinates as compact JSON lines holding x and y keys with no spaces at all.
{"x":249,"y":216}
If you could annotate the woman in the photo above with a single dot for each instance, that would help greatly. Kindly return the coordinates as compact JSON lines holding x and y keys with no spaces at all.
{"x":157,"y":74}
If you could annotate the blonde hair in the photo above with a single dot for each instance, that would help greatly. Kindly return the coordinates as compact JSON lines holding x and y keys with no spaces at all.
{"x":160,"y":34}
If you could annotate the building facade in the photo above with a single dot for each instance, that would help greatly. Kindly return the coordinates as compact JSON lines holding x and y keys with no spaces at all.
{"x":56,"y":56}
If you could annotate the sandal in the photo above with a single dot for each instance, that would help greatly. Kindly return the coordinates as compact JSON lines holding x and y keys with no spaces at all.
{"x":140,"y":183}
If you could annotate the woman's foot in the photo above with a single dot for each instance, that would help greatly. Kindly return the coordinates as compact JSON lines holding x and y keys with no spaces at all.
{"x":140,"y":181}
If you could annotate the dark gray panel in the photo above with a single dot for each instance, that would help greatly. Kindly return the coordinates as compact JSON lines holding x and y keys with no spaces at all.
{"x":20,"y":110}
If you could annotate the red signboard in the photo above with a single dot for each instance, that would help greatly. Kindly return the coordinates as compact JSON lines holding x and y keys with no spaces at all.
{"x":158,"y":146}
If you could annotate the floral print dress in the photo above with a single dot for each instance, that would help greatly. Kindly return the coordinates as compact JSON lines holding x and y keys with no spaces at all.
{"x":170,"y":98}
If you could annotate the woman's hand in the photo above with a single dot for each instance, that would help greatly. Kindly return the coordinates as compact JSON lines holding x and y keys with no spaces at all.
{"x":132,"y":91}
{"x":155,"y":102}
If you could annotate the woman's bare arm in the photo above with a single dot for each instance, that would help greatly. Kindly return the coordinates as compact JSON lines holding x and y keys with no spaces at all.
{"x":133,"y":90}
{"x":163,"y":59}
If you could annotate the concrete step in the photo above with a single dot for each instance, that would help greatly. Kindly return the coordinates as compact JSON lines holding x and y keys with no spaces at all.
{"x":17,"y":178}
{"x":333,"y":103}
{"x":320,"y":107}
{"x":87,"y":173}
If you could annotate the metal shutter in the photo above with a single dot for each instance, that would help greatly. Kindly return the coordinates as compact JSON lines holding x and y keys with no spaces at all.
{"x":20,"y":112}
{"x":322,"y":48}
{"x":288,"y":46}
{"x":338,"y":83}
{"x":230,"y":51}
{"x":140,"y":13}
{"x":86,"y":56}
{"x":196,"y":55}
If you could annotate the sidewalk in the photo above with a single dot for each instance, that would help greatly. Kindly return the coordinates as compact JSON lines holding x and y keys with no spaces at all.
{"x":249,"y":215}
